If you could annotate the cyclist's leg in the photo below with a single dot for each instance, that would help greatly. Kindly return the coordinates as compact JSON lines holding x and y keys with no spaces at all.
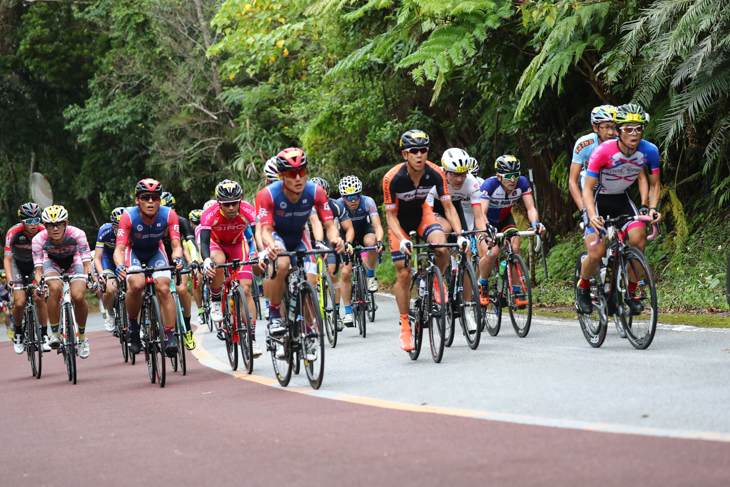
{"x":367,"y":239}
{"x":111,"y":290}
{"x":595,"y":254}
{"x":51,"y":269}
{"x":637,"y":238}
{"x":431,"y":231}
{"x":276,"y":287}
{"x":185,"y":300}
{"x":78,"y":293}
{"x":402,"y":289}
{"x":167,"y":303}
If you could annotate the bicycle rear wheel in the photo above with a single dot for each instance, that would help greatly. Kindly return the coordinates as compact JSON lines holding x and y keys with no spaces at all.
{"x":158,"y":341}
{"x":327,"y":305}
{"x":361,"y":303}
{"x":312,"y":337}
{"x":34,"y":343}
{"x":435,"y":315}
{"x":640,"y":330}
{"x":242,"y":324}
{"x":594,"y":325}
{"x":492,"y":313}
{"x":416,"y":328}
{"x":470,"y":313}
{"x":520,"y":301}
{"x":454,"y":300}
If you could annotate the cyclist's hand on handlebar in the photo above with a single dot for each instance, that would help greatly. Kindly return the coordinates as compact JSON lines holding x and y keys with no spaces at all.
{"x":379,"y":247}
{"x":348,"y":248}
{"x":321,"y":245}
{"x":656,"y":217}
{"x":209,"y":268}
{"x":644,"y":210}
{"x":263,"y":257}
{"x":274,"y":251}
{"x":539,"y":227}
{"x":121,"y":272}
{"x":406,"y":246}
{"x":178,"y":263}
{"x":338,"y":244}
{"x":597,"y":224}
{"x":462,"y":242}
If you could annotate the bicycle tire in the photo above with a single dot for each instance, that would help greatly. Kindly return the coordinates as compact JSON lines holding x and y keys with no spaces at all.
{"x":327,"y":307}
{"x":492,"y":313}
{"x":371,"y":306}
{"x":454,"y":300}
{"x":34,"y":344}
{"x":120,"y":317}
{"x":471,"y":329}
{"x":311,"y":335}
{"x":243,"y":327}
{"x":255,"y":297}
{"x":282,"y":366}
{"x":206,"y":306}
{"x":362,"y":303}
{"x":70,"y":343}
{"x":416,"y":329}
{"x":231,"y":347}
{"x":593,"y":327}
{"x":640,"y":332}
{"x":520,"y":321}
{"x":436,"y":313}
{"x":175,"y":334}
{"x":158,"y":327}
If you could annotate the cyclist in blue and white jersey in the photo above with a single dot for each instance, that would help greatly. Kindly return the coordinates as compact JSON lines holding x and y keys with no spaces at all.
{"x":106,"y":242}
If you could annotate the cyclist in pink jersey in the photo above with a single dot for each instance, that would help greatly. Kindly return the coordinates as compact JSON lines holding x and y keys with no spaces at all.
{"x":222,"y":239}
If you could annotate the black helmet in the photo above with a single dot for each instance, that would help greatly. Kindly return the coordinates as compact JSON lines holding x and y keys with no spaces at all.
{"x":168,"y":199}
{"x":414,"y":138}
{"x":29,"y":210}
{"x":148,"y":185}
{"x":117,"y":214}
{"x":290,"y":159}
{"x":506,"y":164}
{"x":228,"y":190}
{"x":325,"y":185}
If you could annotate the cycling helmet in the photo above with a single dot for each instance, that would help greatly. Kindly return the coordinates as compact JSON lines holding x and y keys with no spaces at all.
{"x":168,"y":199}
{"x":414,"y":138}
{"x":325,"y":185}
{"x":271,"y":171}
{"x":350,"y":185}
{"x":148,"y":185}
{"x":208,"y":204}
{"x":194,"y":216}
{"x":473,"y":166}
{"x":291,"y":158}
{"x":604,"y":113}
{"x":117,"y":214}
{"x":455,"y":160}
{"x":228,"y":190}
{"x":506,"y":164}
{"x":29,"y":210}
{"x":55,"y":214}
{"x":631,"y":112}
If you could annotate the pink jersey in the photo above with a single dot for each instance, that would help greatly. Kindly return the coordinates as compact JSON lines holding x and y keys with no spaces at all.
{"x":224,"y":231}
{"x":74,"y":245}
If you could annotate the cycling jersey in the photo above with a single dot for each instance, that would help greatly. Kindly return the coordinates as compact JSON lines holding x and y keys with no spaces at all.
{"x":223,"y":230}
{"x":501,"y":203}
{"x":68,"y":256}
{"x":362,"y":215}
{"x":19,"y":245}
{"x":615,"y":170}
{"x":144,"y":239}
{"x":107,"y":241}
{"x":186,"y":233}
{"x":402,"y":195}
{"x":582,"y":151}
{"x":465,"y":198}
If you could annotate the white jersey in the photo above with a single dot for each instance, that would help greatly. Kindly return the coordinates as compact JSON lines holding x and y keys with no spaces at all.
{"x":468,"y":197}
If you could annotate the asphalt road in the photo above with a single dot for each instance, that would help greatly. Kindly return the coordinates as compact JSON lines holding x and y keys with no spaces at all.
{"x":369,"y":425}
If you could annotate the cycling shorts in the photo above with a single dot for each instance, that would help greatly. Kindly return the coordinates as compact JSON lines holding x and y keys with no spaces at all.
{"x":613,"y":205}
{"x":310,"y":263}
{"x":427,"y":226}
{"x":359,"y":236}
{"x":235,"y":251}
{"x":107,"y":264}
{"x":22,"y":269}
{"x":75,"y":267}
{"x":158,"y":259}
{"x":504,"y":224}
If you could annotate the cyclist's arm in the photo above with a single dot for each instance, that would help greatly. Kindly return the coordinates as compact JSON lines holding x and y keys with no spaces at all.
{"x":655,"y":194}
{"x":7,"y":264}
{"x":480,"y":222}
{"x":588,"y":200}
{"x":643,"y":183}
{"x":88,"y":268}
{"x":316,"y":226}
{"x":97,"y":261}
{"x":529,"y":202}
{"x":39,"y":256}
{"x":125,"y":225}
{"x":574,"y":184}
{"x":205,"y":243}
{"x":375,"y":221}
{"x":391,"y":218}
{"x":349,"y":230}
{"x":192,"y":250}
{"x":186,"y":252}
{"x":452,"y":216}
{"x":177,"y":250}
{"x":173,"y":226}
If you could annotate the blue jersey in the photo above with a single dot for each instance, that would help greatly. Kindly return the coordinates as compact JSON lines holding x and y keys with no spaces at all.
{"x":362,"y":215}
{"x":146,"y":239}
{"x":582,"y":151}
{"x":501,"y":203}
{"x":107,"y":240}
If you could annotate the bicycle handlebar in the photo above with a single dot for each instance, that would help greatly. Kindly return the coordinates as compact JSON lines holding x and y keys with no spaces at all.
{"x":618,"y":221}
{"x":298,"y":254}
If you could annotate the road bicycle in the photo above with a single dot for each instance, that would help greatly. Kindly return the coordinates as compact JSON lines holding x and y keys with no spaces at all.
{"x":205,"y":301}
{"x":327,"y":303}
{"x":236,"y":324}
{"x":121,"y":320}
{"x":256,"y":293}
{"x":67,"y":326}
{"x":464,"y":308}
{"x":303,"y":337}
{"x":363,"y":300}
{"x":425,"y":313}
{"x":610,"y":287}
{"x":154,"y":341}
{"x":507,"y":275}
{"x":32,"y":332}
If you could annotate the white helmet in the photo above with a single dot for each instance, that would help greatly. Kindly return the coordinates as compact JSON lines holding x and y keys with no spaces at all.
{"x":208,"y":204}
{"x":350,"y":185}
{"x":473,"y":166}
{"x":456,"y":160}
{"x":272,"y":173}
{"x":54,"y":214}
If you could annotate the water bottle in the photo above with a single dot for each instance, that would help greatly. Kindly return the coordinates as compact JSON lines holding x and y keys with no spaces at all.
{"x":502,"y":268}
{"x":421,"y":287}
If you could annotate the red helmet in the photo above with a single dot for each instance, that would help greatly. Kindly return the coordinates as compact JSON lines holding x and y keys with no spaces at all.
{"x":148,"y":185}
{"x":291,"y":158}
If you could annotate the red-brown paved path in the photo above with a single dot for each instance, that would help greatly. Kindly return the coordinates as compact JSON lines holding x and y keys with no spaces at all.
{"x":206,"y":429}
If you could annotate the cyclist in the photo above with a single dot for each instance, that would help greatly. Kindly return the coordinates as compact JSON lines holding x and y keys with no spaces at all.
{"x":5,"y":302}
{"x":499,"y":195}
{"x":194,"y":217}
{"x":284,"y":208}
{"x":57,"y":250}
{"x":347,"y":233}
{"x":106,"y":241}
{"x":139,"y":242}
{"x":612,"y":169}
{"x":603,"y":120}
{"x":222,"y":239}
{"x":18,"y":263}
{"x":405,"y":188}
{"x":187,"y":241}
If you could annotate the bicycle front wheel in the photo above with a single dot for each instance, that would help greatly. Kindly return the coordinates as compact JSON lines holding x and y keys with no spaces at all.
{"x":454,"y":302}
{"x":492,"y":313}
{"x":34,"y":342}
{"x":158,"y":341}
{"x":470,"y":312}
{"x":69,"y":342}
{"x":634,"y":267}
{"x":180,"y":338}
{"x":228,"y":331}
{"x":519,"y":295}
{"x":120,"y":318}
{"x":206,"y":306}
{"x":312,"y":337}
{"x":362,"y":291}
{"x":435,"y":315}
{"x":327,"y":306}
{"x":242,"y":324}
{"x":371,"y":306}
{"x":594,"y":325}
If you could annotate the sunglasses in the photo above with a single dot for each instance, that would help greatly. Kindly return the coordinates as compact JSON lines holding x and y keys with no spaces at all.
{"x":607,"y":127}
{"x":511,"y":176}
{"x":418,"y":150}
{"x":295,"y":172}
{"x":634,"y":129}
{"x":229,"y":203}
{"x":54,"y":225}
{"x":32,"y":221}
{"x":149,"y":197}
{"x":352,"y":197}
